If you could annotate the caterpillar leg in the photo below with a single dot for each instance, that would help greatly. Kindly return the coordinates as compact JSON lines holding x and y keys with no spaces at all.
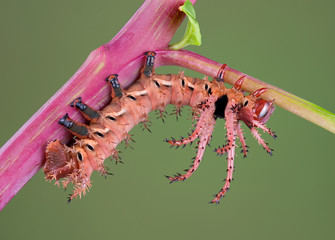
{"x":231,"y":121}
{"x":233,"y":105}
{"x":264,"y":128}
{"x":225,"y":148}
{"x":260,"y":140}
{"x":204,"y":131}
{"x":231,"y":126}
{"x":255,"y":113}
{"x":242,"y":139}
{"x":201,"y":149}
{"x":209,"y":105}
{"x":184,"y":141}
{"x":229,"y":178}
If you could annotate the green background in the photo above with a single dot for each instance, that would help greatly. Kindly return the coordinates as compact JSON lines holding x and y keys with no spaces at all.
{"x":289,"y":44}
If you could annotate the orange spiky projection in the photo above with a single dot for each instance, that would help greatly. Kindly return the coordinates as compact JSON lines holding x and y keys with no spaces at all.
{"x":209,"y":100}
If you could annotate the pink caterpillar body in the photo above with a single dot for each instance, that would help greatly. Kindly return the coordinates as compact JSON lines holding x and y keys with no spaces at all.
{"x":209,"y":100}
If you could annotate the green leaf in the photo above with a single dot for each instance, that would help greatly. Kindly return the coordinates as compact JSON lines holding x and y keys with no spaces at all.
{"x":192,"y":35}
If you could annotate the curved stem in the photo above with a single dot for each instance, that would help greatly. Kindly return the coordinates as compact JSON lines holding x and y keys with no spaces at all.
{"x":286,"y":100}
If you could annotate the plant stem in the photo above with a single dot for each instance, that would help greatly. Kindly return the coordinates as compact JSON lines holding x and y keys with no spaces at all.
{"x":286,"y":100}
{"x":151,"y":28}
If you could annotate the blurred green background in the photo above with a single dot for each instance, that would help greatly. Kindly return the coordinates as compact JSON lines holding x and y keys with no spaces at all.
{"x":289,"y":44}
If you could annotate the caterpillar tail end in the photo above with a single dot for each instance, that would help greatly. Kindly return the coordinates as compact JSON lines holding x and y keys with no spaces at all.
{"x":57,"y":164}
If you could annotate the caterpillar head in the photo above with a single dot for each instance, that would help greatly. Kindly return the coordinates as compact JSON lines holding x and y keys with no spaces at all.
{"x":256,"y":109}
{"x":262,"y":110}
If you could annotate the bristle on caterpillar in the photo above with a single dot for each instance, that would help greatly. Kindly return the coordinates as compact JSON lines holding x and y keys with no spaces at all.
{"x":209,"y":100}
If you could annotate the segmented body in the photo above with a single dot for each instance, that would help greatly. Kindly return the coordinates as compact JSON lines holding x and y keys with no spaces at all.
{"x":108,"y":127}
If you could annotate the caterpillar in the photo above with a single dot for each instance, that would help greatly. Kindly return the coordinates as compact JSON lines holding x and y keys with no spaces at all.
{"x":209,"y":100}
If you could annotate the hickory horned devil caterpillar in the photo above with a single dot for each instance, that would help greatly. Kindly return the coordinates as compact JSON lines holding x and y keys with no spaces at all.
{"x":209,"y":100}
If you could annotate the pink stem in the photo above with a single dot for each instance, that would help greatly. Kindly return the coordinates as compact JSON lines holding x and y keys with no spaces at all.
{"x":151,"y":28}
